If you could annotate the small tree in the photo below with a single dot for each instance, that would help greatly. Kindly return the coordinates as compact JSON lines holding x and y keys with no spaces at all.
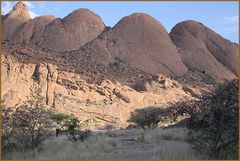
{"x":7,"y":131}
{"x":149,"y":117}
{"x":65,"y":119}
{"x":70,"y":125}
{"x":59,"y":117}
{"x":31,"y":122}
{"x":213,"y":121}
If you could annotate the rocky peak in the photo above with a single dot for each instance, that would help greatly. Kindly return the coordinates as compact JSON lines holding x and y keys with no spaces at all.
{"x":14,"y":19}
{"x":140,"y":19}
{"x":19,"y":7}
{"x":209,"y":52}
{"x":82,"y":14}
{"x":138,"y":24}
{"x":141,"y":41}
{"x":20,"y":11}
{"x":73,"y":31}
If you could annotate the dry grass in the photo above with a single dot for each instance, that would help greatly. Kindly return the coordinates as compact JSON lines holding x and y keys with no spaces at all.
{"x":148,"y":144}
{"x":175,"y":150}
{"x":159,"y":134}
{"x":170,"y":144}
{"x":91,"y":148}
{"x":125,"y":133}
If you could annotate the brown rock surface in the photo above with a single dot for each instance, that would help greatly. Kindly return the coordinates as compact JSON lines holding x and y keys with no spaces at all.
{"x":26,"y":70}
{"x":2,"y":18}
{"x":141,"y":41}
{"x":96,"y":82}
{"x":160,"y":83}
{"x":16,"y":80}
{"x":31,"y":32}
{"x":204,"y":50}
{"x":72,"y":32}
{"x":41,"y":74}
{"x":14,"y":19}
{"x":46,"y":76}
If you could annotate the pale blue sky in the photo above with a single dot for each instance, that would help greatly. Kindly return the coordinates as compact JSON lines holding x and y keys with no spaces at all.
{"x":222,"y":17}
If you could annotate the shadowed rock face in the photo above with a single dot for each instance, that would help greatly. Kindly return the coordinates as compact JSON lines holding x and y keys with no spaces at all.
{"x":141,"y":41}
{"x":203,"y":49}
{"x":14,"y":19}
{"x":2,"y":18}
{"x":31,"y":32}
{"x":72,"y":32}
{"x":69,"y":33}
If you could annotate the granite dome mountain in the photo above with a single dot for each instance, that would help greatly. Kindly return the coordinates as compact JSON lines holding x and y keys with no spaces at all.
{"x":81,"y":66}
{"x":208,"y":51}
{"x":13,"y":20}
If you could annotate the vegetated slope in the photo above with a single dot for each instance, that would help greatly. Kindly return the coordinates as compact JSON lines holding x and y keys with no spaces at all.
{"x":204,"y":50}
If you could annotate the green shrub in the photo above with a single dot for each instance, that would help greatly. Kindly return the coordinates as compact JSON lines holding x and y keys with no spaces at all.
{"x":70,"y":126}
{"x":59,"y":117}
{"x":213,"y":121}
{"x":68,"y":122}
{"x":7,"y":130}
{"x":31,"y":123}
{"x":146,"y":117}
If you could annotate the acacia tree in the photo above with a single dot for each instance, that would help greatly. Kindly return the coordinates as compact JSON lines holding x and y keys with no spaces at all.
{"x":146,"y":117}
{"x":31,"y":122}
{"x":213,"y":121}
{"x":6,"y":130}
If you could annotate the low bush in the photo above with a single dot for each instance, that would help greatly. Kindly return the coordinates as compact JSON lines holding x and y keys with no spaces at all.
{"x":146,"y":117}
